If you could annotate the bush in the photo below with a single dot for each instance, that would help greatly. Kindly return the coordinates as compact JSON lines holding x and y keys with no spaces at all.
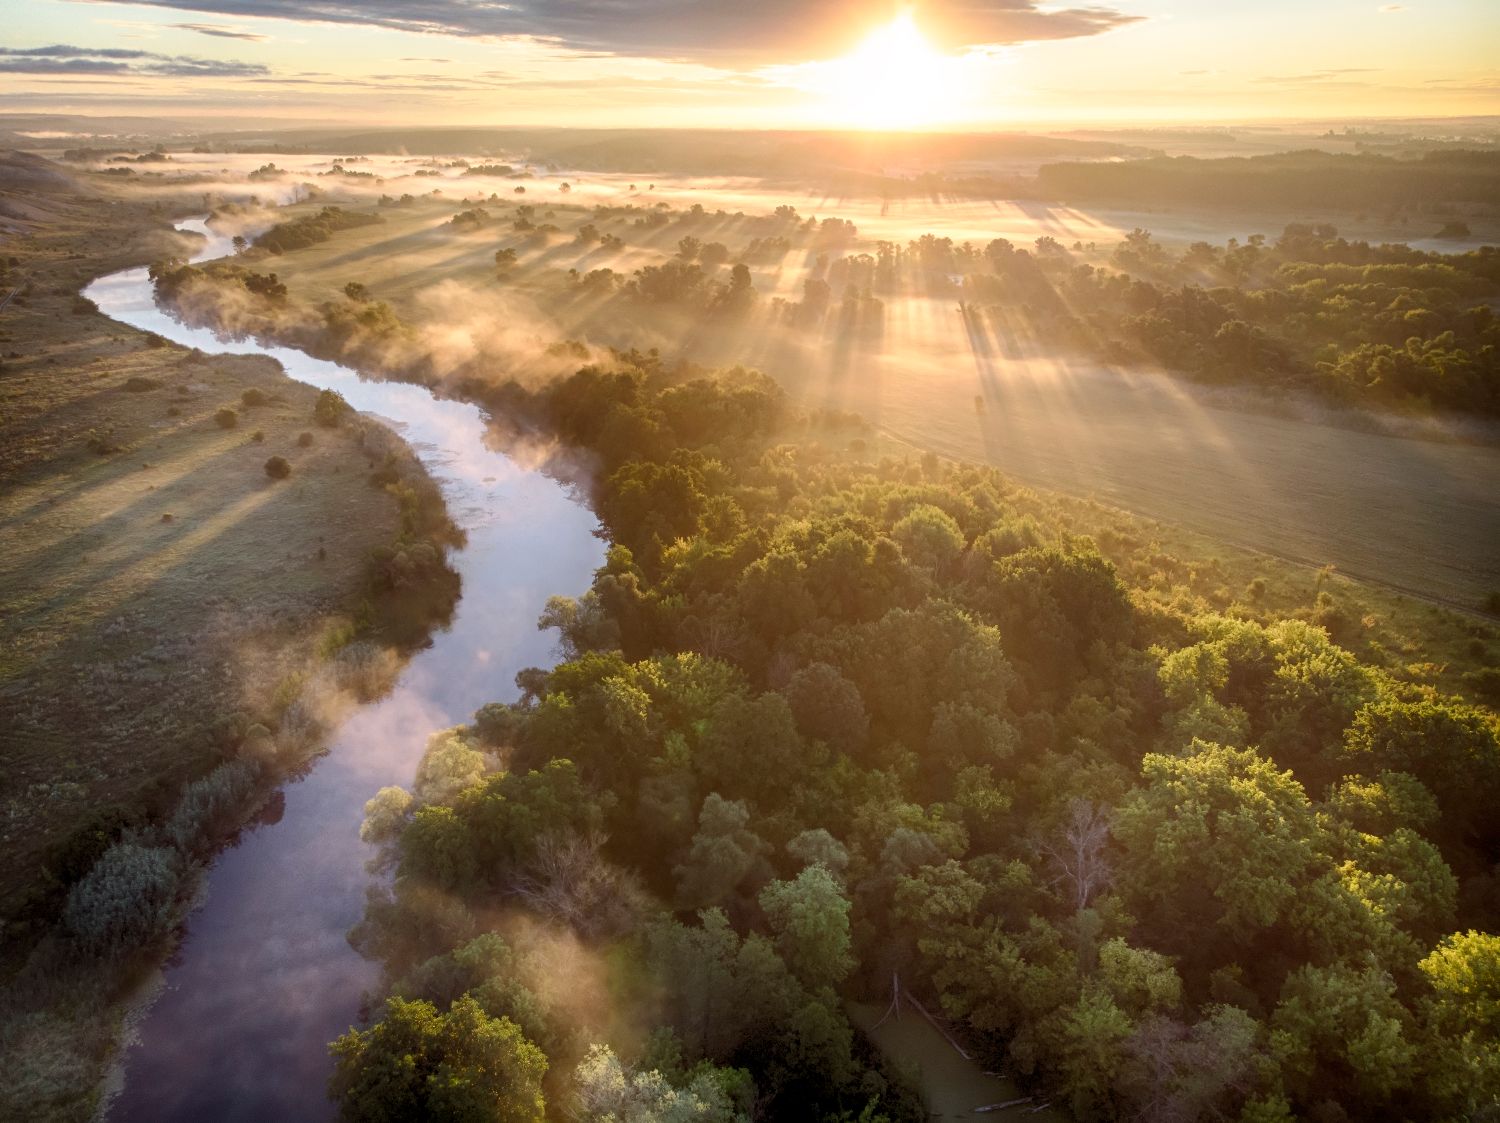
{"x":258,"y":436}
{"x":278,"y":468}
{"x":226,"y":418}
{"x":212,"y":806}
{"x":139,"y":385}
{"x":304,"y":440}
{"x":101,"y":444}
{"x":82,"y":305}
{"x":254,"y":397}
{"x":330,"y":409}
{"x":125,"y":901}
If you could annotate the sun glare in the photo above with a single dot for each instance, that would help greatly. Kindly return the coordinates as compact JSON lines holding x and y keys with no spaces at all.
{"x":895,"y":79}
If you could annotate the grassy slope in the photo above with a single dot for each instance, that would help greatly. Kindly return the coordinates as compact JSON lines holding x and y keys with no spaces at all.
{"x":125,"y":636}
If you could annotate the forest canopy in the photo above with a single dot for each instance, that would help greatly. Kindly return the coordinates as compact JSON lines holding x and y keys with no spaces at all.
{"x":824,"y":724}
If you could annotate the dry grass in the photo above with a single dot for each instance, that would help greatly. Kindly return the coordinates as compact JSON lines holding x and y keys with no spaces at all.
{"x":149,"y":592}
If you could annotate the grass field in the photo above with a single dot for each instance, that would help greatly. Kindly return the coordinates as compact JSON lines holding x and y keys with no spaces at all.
{"x":153,"y":579}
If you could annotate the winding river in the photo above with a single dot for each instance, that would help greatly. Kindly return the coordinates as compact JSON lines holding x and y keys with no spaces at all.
{"x":264,"y":977}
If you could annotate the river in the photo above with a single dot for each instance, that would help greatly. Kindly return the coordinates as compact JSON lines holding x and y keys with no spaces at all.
{"x":264,"y":977}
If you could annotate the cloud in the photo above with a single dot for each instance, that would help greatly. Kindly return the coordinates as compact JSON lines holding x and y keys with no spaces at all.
{"x":118,"y":61}
{"x":729,"y":33}
{"x":222,"y":31}
{"x":1317,"y":78}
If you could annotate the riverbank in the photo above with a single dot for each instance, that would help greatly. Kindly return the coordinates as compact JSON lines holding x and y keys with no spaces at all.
{"x":167,"y":604}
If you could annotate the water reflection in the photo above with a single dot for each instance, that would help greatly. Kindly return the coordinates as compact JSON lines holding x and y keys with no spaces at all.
{"x":265,"y":978}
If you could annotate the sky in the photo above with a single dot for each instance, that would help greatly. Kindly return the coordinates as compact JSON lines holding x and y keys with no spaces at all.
{"x":941,"y":64}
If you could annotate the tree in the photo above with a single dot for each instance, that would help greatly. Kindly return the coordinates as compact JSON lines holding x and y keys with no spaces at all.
{"x":1090,"y":1041}
{"x":1463,"y":1006}
{"x":458,"y":1067}
{"x":930,"y":537}
{"x":725,"y":854}
{"x":827,"y":707}
{"x":385,"y":815}
{"x":330,"y":409}
{"x":809,"y":917}
{"x":449,"y":766}
{"x":1217,"y":837}
{"x":610,"y":1092}
{"x":1077,"y":851}
{"x":1452,"y":749}
{"x":818,"y":847}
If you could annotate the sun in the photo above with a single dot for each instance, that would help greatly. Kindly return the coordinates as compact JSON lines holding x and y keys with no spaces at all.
{"x":895,"y":79}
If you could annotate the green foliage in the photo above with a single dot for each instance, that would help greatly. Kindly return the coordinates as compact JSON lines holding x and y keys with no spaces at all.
{"x":309,"y":230}
{"x":330,"y":410}
{"x":809,"y":918}
{"x":125,"y":902}
{"x":460,"y":1066}
{"x":608,"y":1091}
{"x":213,"y":805}
{"x":876,"y":720}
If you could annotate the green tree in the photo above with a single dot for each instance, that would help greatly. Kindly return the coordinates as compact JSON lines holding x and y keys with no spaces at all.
{"x":1218,"y":837}
{"x":930,"y":537}
{"x":417,"y":1064}
{"x":725,"y":854}
{"x":809,"y":916}
{"x":1463,"y":1007}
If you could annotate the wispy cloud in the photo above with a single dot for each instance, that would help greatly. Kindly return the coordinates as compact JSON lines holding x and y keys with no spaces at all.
{"x":1315,"y":78}
{"x":222,"y":31}
{"x":60,"y":58}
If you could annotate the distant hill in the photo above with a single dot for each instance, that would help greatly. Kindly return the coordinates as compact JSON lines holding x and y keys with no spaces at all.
{"x":22,"y":171}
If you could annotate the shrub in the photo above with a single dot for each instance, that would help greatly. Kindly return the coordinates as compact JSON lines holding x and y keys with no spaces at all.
{"x":254,"y":397}
{"x":330,"y":409}
{"x":304,"y":440}
{"x":101,"y":444}
{"x":258,"y":436}
{"x":139,"y":385}
{"x":212,"y":806}
{"x":125,"y":901}
{"x":298,"y":728}
{"x":278,"y":468}
{"x":173,"y":411}
{"x":82,"y":305}
{"x":226,"y":418}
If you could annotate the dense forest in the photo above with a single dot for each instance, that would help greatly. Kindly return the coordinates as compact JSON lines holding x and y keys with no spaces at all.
{"x":825,"y":729}
{"x":1385,"y":326}
{"x":1309,"y":178}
